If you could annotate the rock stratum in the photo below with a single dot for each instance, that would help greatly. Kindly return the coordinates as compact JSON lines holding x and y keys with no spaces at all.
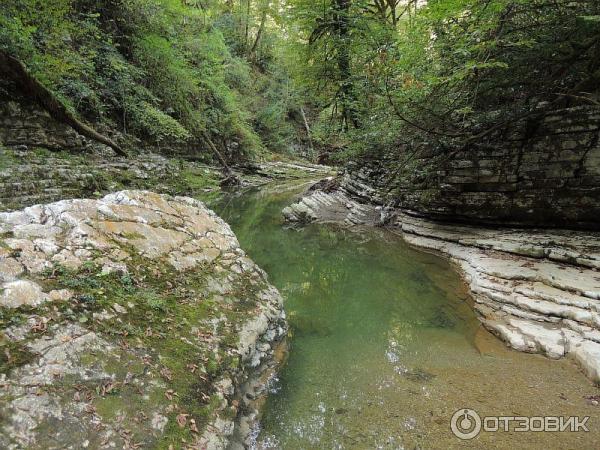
{"x":538,"y":290}
{"x":535,"y":173}
{"x":132,"y":321}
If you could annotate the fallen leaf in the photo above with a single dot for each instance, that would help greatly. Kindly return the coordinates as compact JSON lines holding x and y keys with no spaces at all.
{"x":182,"y":420}
{"x":165,"y":372}
{"x":170,"y":393}
{"x":193,"y":426}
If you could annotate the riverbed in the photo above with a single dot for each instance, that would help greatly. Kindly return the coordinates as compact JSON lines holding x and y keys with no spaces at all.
{"x":384,"y":345}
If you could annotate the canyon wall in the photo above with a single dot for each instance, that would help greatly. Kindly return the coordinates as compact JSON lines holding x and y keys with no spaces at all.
{"x":544,"y":173}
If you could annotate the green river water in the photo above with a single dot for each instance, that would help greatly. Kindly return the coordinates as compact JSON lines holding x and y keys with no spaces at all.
{"x":384,"y":345}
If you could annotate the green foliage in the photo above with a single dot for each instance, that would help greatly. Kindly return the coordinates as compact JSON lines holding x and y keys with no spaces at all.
{"x":155,"y":123}
{"x":444,"y":73}
{"x":153,"y":300}
{"x":371,"y":76}
{"x":165,"y":71}
{"x":494,"y":62}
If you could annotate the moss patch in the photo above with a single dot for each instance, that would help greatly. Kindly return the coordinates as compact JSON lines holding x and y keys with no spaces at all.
{"x":13,"y":354}
{"x":180,"y":332}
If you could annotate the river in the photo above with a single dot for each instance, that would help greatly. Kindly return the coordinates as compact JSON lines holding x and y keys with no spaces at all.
{"x":384,"y":345}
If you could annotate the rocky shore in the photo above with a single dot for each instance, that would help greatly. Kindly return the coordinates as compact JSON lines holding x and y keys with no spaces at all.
{"x":130,"y":321}
{"x":538,"y":290}
{"x":30,"y":176}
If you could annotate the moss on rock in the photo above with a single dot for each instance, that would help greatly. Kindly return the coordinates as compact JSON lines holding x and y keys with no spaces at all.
{"x":156,"y":306}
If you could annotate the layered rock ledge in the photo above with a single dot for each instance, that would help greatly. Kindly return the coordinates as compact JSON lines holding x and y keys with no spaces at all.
{"x":538,"y":290}
{"x":30,"y":175}
{"x":131,"y":321}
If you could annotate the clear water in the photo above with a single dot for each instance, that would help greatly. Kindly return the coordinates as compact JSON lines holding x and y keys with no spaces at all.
{"x":385,"y":346}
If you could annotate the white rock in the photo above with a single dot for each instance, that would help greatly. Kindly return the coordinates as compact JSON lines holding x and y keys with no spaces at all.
{"x":22,"y":293}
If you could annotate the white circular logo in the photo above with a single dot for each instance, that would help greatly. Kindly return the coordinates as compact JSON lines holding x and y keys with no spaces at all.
{"x":465,"y":424}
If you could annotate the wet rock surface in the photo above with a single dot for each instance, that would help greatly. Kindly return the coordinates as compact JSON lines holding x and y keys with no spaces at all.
{"x":538,"y":290}
{"x":128,"y":322}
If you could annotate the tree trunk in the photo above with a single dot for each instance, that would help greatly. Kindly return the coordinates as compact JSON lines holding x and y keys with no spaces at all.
{"x":247,"y":28}
{"x":260,"y":32}
{"x":15,"y":70}
{"x":342,"y":18}
{"x":230,"y":177}
{"x":307,"y":128}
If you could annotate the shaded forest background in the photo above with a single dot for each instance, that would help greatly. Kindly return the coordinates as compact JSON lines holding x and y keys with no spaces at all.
{"x":334,"y":80}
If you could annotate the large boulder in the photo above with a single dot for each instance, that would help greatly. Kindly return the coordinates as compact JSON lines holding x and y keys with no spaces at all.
{"x":128,"y":322}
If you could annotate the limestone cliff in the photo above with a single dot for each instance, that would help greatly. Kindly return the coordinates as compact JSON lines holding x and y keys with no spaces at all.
{"x":543,"y":173}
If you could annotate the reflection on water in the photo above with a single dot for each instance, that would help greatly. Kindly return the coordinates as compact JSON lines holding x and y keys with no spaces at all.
{"x":384,"y":344}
